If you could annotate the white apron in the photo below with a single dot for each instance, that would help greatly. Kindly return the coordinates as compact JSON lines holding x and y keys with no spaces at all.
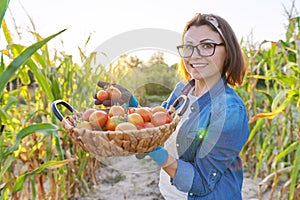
{"x":169,"y":191}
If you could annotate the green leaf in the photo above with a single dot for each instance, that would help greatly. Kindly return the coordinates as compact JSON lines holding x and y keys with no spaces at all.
{"x":4,"y":115}
{"x":41,"y":79}
{"x":258,"y":125}
{"x":284,"y":96}
{"x":52,"y":164}
{"x":294,"y":174}
{"x":33,"y":186}
{"x":290,"y":81}
{"x":291,"y":28}
{"x":42,"y":128}
{"x":2,"y":64}
{"x":20,"y":60}
{"x":6,"y":165}
{"x":43,"y":111}
{"x":286,"y":151}
{"x":38,"y":75}
{"x":19,"y":183}
{"x":11,"y":100}
{"x":24,"y":77}
{"x":3,"y":8}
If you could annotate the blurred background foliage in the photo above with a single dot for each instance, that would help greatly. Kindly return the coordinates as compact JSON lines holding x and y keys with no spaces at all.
{"x":38,"y":159}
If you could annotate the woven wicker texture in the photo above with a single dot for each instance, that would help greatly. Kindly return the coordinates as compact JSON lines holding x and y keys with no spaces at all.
{"x":118,"y":143}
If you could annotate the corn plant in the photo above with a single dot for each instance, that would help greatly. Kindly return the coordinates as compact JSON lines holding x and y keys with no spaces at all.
{"x":273,"y":100}
{"x":35,"y":152}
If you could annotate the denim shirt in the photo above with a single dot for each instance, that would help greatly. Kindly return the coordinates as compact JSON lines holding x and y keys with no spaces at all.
{"x":209,"y":143}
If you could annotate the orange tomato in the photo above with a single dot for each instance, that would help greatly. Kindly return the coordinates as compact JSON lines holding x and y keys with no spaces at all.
{"x":135,"y":119}
{"x":98,"y":119}
{"x":102,"y":95}
{"x":113,"y":122}
{"x":145,"y":113}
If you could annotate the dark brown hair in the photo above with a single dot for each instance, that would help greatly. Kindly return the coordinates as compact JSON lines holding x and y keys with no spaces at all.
{"x":234,"y":68}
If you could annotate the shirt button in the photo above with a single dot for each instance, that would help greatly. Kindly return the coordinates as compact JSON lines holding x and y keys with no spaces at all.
{"x":177,"y":145}
{"x":192,"y":108}
{"x":214,"y":174}
{"x":191,"y":194}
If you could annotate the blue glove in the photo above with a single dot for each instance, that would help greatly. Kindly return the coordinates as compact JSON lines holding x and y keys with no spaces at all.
{"x":127,"y":98}
{"x":159,"y":155}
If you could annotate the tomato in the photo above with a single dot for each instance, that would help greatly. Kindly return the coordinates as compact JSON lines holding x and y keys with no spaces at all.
{"x":125,"y":126}
{"x":102,"y":95}
{"x":145,"y":113}
{"x":135,"y":119}
{"x":98,"y":119}
{"x":116,"y":111}
{"x":147,"y":125}
{"x":86,"y":114}
{"x":113,"y":92}
{"x":158,"y":109}
{"x":160,"y":118}
{"x":113,"y":121}
{"x":84,"y":124}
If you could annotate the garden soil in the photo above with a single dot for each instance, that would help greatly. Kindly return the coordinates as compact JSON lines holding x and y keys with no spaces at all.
{"x":129,"y":178}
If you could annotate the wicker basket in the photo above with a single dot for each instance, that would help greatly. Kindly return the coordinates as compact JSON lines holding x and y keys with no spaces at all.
{"x":116,"y":143}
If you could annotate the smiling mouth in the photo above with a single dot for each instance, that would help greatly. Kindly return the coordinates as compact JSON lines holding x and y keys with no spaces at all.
{"x":198,"y":65}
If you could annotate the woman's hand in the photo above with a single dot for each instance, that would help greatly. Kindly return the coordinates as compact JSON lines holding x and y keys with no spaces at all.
{"x":126,"y":97}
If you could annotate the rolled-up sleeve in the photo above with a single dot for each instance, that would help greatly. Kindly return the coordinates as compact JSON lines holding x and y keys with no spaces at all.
{"x":184,"y":177}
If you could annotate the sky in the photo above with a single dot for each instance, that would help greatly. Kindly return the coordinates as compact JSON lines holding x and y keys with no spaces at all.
{"x":104,"y":20}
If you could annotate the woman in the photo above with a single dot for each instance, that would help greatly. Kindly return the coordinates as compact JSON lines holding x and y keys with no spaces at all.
{"x":201,"y":159}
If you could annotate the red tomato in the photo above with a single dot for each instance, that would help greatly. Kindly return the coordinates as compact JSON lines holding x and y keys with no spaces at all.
{"x":145,"y":113}
{"x":160,"y":118}
{"x":98,"y":119}
{"x":113,"y":122}
{"x":102,"y":95}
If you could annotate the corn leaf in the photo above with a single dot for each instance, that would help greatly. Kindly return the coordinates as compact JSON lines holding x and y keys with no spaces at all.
{"x":2,"y":66}
{"x":11,"y":100}
{"x":52,"y":164}
{"x":6,"y":165}
{"x":44,"y":59}
{"x":290,"y":81}
{"x":42,"y":128}
{"x":275,"y":108}
{"x":291,"y":28}
{"x":41,"y":79}
{"x":3,"y":8}
{"x":286,"y":151}
{"x":6,"y":32}
{"x":39,"y":76}
{"x":295,"y":173}
{"x":256,"y":128}
{"x":20,"y":60}
{"x":24,"y":77}
{"x":4,"y":116}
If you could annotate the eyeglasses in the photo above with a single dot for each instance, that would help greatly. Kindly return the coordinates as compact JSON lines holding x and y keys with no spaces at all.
{"x":203,"y":49}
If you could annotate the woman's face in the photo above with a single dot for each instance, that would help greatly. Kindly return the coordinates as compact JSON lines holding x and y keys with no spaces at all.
{"x":200,"y":67}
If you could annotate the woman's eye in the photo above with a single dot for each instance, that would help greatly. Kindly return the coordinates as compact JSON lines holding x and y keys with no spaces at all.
{"x":207,"y":46}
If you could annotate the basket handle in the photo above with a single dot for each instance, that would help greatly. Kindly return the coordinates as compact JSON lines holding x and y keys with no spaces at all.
{"x":182,"y":109}
{"x":180,"y":112}
{"x":56,"y":111}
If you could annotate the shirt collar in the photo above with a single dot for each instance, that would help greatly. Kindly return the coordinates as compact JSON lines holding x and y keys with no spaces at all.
{"x":209,"y":95}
